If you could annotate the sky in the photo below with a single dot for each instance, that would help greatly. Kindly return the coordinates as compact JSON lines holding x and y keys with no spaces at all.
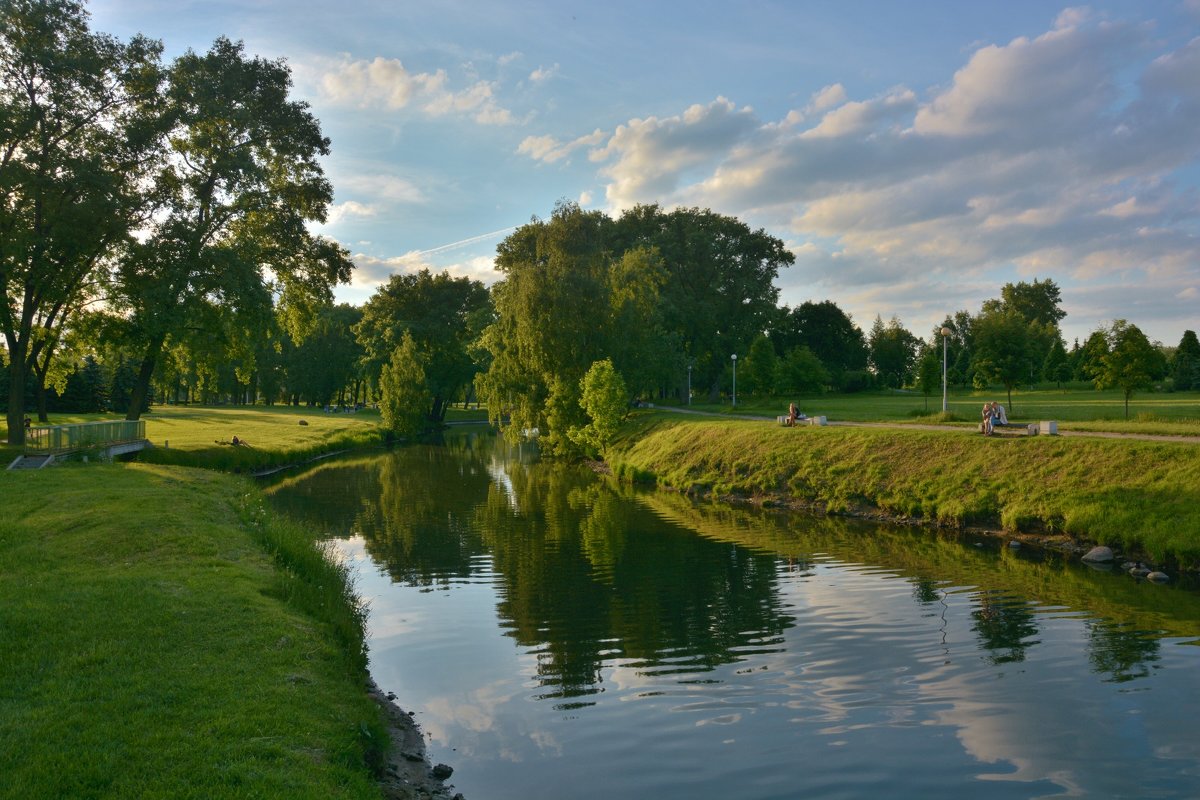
{"x":914,"y":156}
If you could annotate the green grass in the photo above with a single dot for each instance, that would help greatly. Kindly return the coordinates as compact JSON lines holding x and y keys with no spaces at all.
{"x":1134,"y":494}
{"x":163,"y":636}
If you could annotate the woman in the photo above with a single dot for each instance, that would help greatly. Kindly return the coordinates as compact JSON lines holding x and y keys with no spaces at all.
{"x":986,"y":427}
{"x":793,"y":414}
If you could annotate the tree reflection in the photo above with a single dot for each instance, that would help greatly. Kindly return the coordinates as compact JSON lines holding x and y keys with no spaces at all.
{"x":1004,"y":624}
{"x":589,"y":577}
{"x":1119,"y":651}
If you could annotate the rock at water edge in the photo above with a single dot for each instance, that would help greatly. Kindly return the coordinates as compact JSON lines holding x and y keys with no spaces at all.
{"x":1099,"y":555}
{"x":1158,"y":577}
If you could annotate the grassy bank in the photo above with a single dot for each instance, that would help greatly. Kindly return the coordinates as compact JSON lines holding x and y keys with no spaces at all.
{"x":1138,"y":495}
{"x":163,"y":636}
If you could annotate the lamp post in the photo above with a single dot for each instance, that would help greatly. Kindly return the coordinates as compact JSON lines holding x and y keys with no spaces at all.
{"x":734,"y":357}
{"x":945,"y":333}
{"x":689,"y":384}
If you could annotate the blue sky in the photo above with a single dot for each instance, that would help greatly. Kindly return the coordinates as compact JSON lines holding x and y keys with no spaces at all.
{"x":915,"y":156}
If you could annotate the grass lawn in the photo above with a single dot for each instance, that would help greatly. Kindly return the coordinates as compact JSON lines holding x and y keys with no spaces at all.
{"x":164,"y":637}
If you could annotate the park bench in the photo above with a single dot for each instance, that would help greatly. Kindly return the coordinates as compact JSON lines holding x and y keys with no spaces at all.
{"x":782,"y":420}
{"x":1044,"y":427}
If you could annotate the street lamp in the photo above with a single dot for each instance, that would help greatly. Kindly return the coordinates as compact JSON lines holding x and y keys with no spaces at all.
{"x":689,"y":384}
{"x":945,"y":333}
{"x":734,"y":357}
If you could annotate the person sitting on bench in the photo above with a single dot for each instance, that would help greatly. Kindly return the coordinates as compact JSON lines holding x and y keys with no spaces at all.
{"x":793,"y":414}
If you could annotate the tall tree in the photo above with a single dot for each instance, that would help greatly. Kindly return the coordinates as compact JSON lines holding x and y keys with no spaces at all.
{"x":242,"y":182}
{"x":1185,"y":365}
{"x":404,"y":396}
{"x":1057,"y":366}
{"x":719,"y":293}
{"x":1090,"y":359}
{"x":828,"y":332}
{"x":444,"y":316}
{"x":892,"y":351}
{"x":1002,"y":349}
{"x":320,"y":367}
{"x":76,"y":137}
{"x":1130,"y":363}
{"x":761,"y":368}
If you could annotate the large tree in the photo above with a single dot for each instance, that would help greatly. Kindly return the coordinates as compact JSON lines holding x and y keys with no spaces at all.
{"x":1002,"y":351}
{"x":892,"y":351}
{"x":1131,"y":361}
{"x":569,"y":298}
{"x":76,"y":137}
{"x":828,"y":332}
{"x":443,"y":315}
{"x":719,"y":293}
{"x":242,"y":182}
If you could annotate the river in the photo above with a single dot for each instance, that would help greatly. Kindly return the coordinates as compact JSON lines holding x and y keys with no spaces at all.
{"x":560,"y":636}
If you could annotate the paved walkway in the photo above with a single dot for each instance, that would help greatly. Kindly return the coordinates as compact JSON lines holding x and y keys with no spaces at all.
{"x":1145,"y":437}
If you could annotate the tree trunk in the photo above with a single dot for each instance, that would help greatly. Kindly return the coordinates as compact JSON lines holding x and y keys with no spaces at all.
{"x":141,"y":389}
{"x":16,"y":394}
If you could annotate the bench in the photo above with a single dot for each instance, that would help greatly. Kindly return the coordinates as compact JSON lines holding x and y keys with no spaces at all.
{"x":802,"y":420}
{"x":1045,"y":427}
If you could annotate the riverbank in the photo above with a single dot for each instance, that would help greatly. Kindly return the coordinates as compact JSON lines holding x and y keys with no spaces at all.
{"x":1140,"y":496}
{"x":166,"y":636}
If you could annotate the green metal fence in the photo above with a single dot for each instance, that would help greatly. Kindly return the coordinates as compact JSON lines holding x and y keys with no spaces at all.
{"x":55,"y":439}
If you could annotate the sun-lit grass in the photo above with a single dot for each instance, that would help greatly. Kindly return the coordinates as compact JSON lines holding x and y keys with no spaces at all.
{"x":1136,"y":494}
{"x":164,"y":636}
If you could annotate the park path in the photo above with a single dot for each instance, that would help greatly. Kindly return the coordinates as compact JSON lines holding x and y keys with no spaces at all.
{"x":1145,"y":437}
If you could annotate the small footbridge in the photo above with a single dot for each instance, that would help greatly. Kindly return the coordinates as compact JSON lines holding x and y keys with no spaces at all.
{"x":106,"y":439}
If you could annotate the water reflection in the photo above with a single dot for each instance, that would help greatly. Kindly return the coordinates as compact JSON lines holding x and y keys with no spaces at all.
{"x":720,"y":651}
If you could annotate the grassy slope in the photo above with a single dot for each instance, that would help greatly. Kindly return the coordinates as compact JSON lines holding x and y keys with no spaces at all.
{"x":152,"y":649}
{"x":1135,"y":494}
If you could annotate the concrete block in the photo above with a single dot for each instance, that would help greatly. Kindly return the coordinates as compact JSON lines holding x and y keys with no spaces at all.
{"x":1048,"y":427}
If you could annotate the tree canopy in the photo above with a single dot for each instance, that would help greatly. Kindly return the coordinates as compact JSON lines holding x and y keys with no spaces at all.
{"x":76,"y":136}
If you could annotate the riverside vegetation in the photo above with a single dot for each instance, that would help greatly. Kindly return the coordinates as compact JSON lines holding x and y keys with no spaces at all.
{"x":1137,"y":495}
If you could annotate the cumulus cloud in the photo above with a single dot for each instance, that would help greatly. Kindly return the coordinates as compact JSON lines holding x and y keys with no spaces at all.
{"x":351,"y":209}
{"x":1060,"y":155}
{"x":649,"y":158}
{"x":385,"y":83}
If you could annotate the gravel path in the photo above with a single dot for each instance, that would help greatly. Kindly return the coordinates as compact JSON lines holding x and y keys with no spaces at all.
{"x":1145,"y":437}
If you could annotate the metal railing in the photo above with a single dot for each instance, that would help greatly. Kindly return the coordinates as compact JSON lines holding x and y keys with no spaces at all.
{"x":55,"y":439}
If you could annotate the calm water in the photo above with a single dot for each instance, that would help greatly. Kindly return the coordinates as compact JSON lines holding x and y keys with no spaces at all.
{"x":559,"y":636}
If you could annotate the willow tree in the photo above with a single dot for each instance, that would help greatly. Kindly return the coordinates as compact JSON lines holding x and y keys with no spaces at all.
{"x":77,"y":135}
{"x":242,"y":181}
{"x":566,"y":301}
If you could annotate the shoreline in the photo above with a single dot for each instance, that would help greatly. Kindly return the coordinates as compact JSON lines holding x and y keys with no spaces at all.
{"x":409,"y":775}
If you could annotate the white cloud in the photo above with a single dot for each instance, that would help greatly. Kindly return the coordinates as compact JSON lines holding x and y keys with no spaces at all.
{"x":543,"y":73}
{"x":350,"y":209}
{"x":372,"y":271}
{"x":385,"y":83}
{"x":651,"y":157}
{"x":382,"y":187}
{"x":549,"y":149}
{"x":1055,"y":156}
